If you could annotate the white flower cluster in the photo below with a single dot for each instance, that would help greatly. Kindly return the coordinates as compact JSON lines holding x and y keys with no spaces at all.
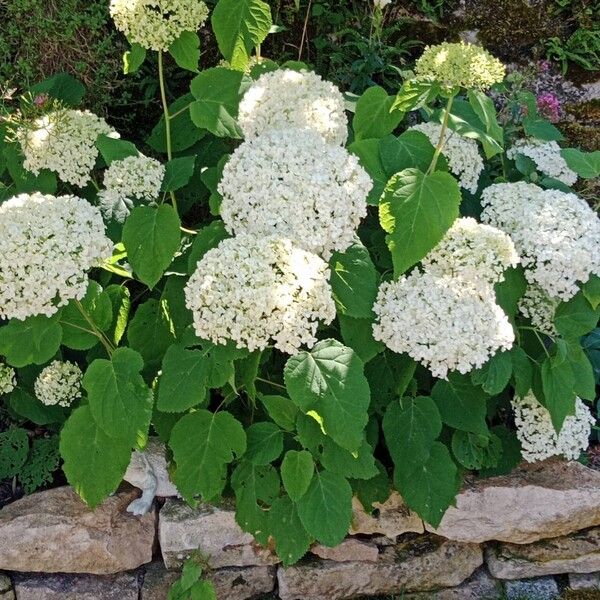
{"x":462,"y":154}
{"x":63,"y":141}
{"x":8,"y":379}
{"x":256,"y":289}
{"x":539,"y":308}
{"x":132,"y":178}
{"x":381,"y":3}
{"x":446,"y":323}
{"x":296,"y":99}
{"x":547,"y":157}
{"x":47,"y":245}
{"x":557,"y":235}
{"x":291,"y":183}
{"x":156,"y":24}
{"x":538,"y":437}
{"x":472,"y":251}
{"x":58,"y":383}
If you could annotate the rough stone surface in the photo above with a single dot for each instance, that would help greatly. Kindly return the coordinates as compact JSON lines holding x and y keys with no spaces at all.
{"x":392,"y":518}
{"x":58,"y":586}
{"x":584,"y":581}
{"x":235,"y":583}
{"x":6,"y":589}
{"x":419,"y":564}
{"x":349,"y":550}
{"x":543,"y":588}
{"x":480,"y":586}
{"x":54,"y":531}
{"x":536,"y":501}
{"x":210,"y":530}
{"x":575,"y":553}
{"x":153,"y":457}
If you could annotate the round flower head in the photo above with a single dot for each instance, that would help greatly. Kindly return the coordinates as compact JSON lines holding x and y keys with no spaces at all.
{"x":132,"y":178}
{"x":156,"y":24}
{"x":557,"y":235}
{"x":63,"y":141}
{"x":459,"y":65}
{"x":472,"y":251}
{"x":253,"y":290}
{"x":462,"y":154}
{"x":547,"y":157}
{"x":539,"y":308}
{"x":58,"y":383}
{"x":297,"y":99}
{"x":47,"y":245}
{"x":445,"y":323}
{"x":8,"y":379}
{"x":538,"y":437}
{"x":292,"y":184}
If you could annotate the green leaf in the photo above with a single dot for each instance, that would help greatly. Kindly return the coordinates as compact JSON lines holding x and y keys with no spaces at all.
{"x":25,"y":405}
{"x":354,"y":281}
{"x":416,"y":210}
{"x":389,"y":376}
{"x":541,"y":129}
{"x":461,"y":404}
{"x":510,"y":455}
{"x":583,"y":372}
{"x":184,"y":133}
{"x":558,"y":382}
{"x":410,"y":150}
{"x":282,"y":410}
{"x":206,"y":239}
{"x":14,"y":448}
{"x":415,"y":94}
{"x":253,"y":484}
{"x":474,"y":451}
{"x":32,"y":341}
{"x":591,"y":290}
{"x":151,"y":237}
{"x":376,"y":489}
{"x":119,"y":399}
{"x":112,"y":149}
{"x":494,"y":376}
{"x":178,"y":173}
{"x":585,"y":164}
{"x":326,"y":508}
{"x":41,"y":465}
{"x":186,"y":51}
{"x":94,"y":463}
{"x":575,"y":317}
{"x":240,"y":26}
{"x":188,"y":374}
{"x":330,"y":381}
{"x":151,"y":330}
{"x":374,"y":117}
{"x":133,"y":59}
{"x":121,"y":303}
{"x":297,"y":470}
{"x":509,"y":291}
{"x":430,"y":488}
{"x":76,"y":328}
{"x":291,"y":539}
{"x":217,"y":92}
{"x":264,"y":443}
{"x":522,"y":371}
{"x":358,"y":465}
{"x":358,"y":335}
{"x":203,"y":443}
{"x":369,"y":158}
{"x":484,"y":108}
{"x":410,"y":426}
{"x":63,"y":87}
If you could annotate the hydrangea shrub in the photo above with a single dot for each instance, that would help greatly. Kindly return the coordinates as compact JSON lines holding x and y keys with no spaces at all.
{"x":302,"y":305}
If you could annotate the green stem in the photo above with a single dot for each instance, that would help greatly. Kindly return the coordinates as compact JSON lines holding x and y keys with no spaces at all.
{"x":442,"y":140}
{"x":103,"y":339}
{"x":181,"y":110}
{"x":163,"y":97}
{"x":538,"y":336}
{"x":271,"y":383}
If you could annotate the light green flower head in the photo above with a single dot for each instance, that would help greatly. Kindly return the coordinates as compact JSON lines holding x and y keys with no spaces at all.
{"x":456,"y":65}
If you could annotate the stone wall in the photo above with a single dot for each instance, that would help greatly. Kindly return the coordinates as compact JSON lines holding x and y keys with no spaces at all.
{"x":526,"y":535}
